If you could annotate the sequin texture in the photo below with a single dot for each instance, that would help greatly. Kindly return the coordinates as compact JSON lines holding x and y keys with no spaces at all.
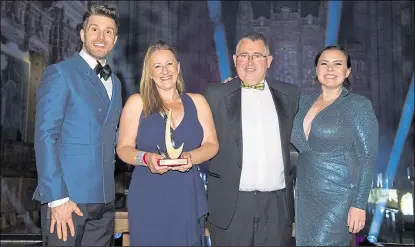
{"x":334,"y":168}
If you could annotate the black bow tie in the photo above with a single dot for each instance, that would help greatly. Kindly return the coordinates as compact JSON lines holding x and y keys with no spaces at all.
{"x":103,"y":71}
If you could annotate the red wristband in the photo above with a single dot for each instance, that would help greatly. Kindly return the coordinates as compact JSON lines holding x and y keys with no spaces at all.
{"x":144,"y":159}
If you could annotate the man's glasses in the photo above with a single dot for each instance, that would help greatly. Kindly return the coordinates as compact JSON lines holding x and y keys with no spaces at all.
{"x":244,"y":57}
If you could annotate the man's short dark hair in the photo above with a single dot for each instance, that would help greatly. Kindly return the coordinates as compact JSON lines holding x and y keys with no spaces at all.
{"x":103,"y":10}
{"x":254,"y":36}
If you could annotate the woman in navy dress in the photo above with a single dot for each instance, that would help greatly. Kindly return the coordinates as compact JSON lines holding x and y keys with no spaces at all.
{"x":336,"y":134}
{"x":165,"y":204}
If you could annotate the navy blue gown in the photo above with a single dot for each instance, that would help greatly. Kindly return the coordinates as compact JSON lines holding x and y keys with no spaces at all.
{"x":164,"y":210}
{"x":335,"y":167}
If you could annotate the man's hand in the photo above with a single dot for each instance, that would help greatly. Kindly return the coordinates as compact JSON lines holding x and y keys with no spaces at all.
{"x":356,"y":219}
{"x":62,"y":216}
{"x":228,"y":79}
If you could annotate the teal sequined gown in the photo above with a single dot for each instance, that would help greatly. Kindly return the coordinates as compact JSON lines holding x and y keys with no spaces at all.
{"x":335,"y":167}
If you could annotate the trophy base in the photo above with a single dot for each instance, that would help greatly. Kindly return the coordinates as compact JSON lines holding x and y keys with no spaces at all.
{"x":172,"y":162}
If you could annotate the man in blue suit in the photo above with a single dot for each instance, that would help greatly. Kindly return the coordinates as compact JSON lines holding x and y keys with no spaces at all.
{"x":78,"y":105}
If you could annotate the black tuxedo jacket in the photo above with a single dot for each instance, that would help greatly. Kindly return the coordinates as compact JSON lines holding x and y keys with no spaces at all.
{"x":225,"y":167}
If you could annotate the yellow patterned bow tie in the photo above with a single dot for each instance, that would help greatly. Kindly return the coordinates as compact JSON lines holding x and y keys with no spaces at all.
{"x":259,"y":86}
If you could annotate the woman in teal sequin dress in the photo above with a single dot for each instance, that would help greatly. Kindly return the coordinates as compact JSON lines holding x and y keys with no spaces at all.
{"x":336,"y":134}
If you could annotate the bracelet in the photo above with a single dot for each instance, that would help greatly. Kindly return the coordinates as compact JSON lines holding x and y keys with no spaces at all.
{"x":144,"y":158}
{"x":139,"y":158}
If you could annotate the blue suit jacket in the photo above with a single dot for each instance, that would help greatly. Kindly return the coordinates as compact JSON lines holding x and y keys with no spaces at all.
{"x":75,"y":134}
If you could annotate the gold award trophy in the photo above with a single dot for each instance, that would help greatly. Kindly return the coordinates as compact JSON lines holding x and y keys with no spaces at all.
{"x":173,"y":154}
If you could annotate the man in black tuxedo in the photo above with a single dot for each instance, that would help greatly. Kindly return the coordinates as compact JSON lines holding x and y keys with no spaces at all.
{"x":250,"y":183}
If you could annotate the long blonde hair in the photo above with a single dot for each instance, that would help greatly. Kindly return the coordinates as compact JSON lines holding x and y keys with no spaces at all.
{"x":152,"y":101}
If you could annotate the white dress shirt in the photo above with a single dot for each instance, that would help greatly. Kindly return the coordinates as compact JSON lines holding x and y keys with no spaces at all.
{"x":262,"y":162}
{"x":92,"y":62}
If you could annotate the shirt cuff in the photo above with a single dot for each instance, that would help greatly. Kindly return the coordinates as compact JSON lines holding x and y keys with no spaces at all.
{"x":58,"y":202}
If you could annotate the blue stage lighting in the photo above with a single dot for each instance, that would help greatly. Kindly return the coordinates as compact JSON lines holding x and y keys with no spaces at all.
{"x":398,"y":145}
{"x":220,"y":39}
{"x":333,"y":22}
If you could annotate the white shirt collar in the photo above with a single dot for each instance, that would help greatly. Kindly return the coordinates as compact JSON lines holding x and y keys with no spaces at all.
{"x":92,"y":62}
{"x":266,"y":88}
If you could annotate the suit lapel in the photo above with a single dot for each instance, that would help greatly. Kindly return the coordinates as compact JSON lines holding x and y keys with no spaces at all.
{"x":282,"y":107}
{"x":115,"y":92}
{"x":233,"y":108}
{"x":281,"y":103}
{"x":93,"y":79}
{"x":98,"y":87}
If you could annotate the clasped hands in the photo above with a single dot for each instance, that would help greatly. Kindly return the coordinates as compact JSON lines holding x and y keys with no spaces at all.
{"x":153,"y":166}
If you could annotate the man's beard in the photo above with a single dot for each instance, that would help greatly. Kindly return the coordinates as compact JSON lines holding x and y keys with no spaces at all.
{"x":94,"y":55}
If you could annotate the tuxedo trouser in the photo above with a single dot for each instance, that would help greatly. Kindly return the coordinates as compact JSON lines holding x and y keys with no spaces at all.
{"x":260,"y":219}
{"x":94,"y":228}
